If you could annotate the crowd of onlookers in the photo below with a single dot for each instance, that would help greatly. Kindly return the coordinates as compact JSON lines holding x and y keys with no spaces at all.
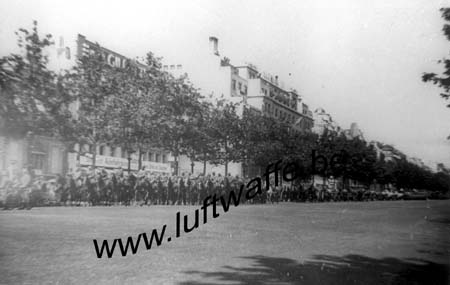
{"x":99,"y":187}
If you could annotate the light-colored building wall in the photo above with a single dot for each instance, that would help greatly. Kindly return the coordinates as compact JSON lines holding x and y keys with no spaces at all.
{"x":184,"y":166}
{"x":43,"y":154}
{"x":267,"y":94}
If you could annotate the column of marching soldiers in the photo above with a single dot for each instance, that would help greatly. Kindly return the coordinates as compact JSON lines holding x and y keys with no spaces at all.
{"x":99,"y":187}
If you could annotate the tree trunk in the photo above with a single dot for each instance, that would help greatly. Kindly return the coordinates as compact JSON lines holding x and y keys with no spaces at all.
{"x":94,"y":136}
{"x":94,"y":154}
{"x":139,"y":159}
{"x":65,"y":164}
{"x":176,"y":164}
{"x":129,"y":163}
{"x":204,"y":164}
{"x":226,"y":159}
{"x":29,"y":142}
{"x":226,"y":167}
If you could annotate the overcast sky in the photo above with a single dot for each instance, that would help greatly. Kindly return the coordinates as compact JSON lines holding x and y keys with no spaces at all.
{"x":360,"y":60}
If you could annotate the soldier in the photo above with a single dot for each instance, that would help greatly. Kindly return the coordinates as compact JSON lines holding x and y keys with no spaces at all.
{"x":140,"y":188}
{"x":63,"y":187}
{"x":132,"y":181}
{"x":91,"y":187}
{"x":102,"y":187}
{"x":170,"y":191}
{"x":181,"y":190}
{"x":227,"y":185}
{"x":193,"y":191}
{"x":121,"y":187}
{"x":80,"y":192}
{"x":115,"y":189}
{"x":149,"y":196}
{"x":209,"y":187}
{"x":203,"y":189}
{"x":60,"y":190}
{"x":163,"y":189}
{"x":24,"y":190}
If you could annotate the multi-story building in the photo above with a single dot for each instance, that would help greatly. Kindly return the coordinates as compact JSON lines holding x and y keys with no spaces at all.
{"x":45,"y":155}
{"x":48,"y":156}
{"x":268,"y":95}
{"x":245,"y":85}
{"x":354,"y":132}
{"x":323,"y":121}
{"x":387,"y":152}
{"x":216,"y":77}
{"x":110,"y":156}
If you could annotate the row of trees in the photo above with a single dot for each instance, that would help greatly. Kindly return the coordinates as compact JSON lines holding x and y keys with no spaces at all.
{"x":140,"y":108}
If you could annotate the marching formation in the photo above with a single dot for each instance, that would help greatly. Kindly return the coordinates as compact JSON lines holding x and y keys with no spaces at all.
{"x":99,"y":187}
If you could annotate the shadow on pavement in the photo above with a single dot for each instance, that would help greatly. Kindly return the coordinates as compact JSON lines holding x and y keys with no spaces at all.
{"x":326,"y":269}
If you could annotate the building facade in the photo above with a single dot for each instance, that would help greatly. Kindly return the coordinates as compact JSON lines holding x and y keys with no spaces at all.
{"x":47,"y":156}
{"x":246,"y":86}
{"x":266,"y":94}
{"x":215,"y":76}
{"x":323,"y":121}
{"x":111,"y":156}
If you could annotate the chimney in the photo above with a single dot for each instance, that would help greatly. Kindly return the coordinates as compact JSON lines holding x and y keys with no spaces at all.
{"x":214,"y":45}
{"x":61,"y":49}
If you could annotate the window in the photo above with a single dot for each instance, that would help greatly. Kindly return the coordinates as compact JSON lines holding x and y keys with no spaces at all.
{"x":124,"y":153}
{"x":150,"y":156}
{"x":101,"y":150}
{"x":276,"y":112}
{"x":86,"y":148}
{"x":38,"y":160}
{"x":233,"y":84}
{"x":164,"y":158}
{"x":245,"y":89}
{"x":158,"y":157}
{"x":67,"y":53}
{"x":115,"y":151}
{"x":240,"y":86}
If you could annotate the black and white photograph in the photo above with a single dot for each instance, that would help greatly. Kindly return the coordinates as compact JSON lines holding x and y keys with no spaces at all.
{"x":225,"y":142}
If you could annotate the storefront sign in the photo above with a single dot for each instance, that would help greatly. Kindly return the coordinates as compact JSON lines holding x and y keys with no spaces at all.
{"x":118,"y":162}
